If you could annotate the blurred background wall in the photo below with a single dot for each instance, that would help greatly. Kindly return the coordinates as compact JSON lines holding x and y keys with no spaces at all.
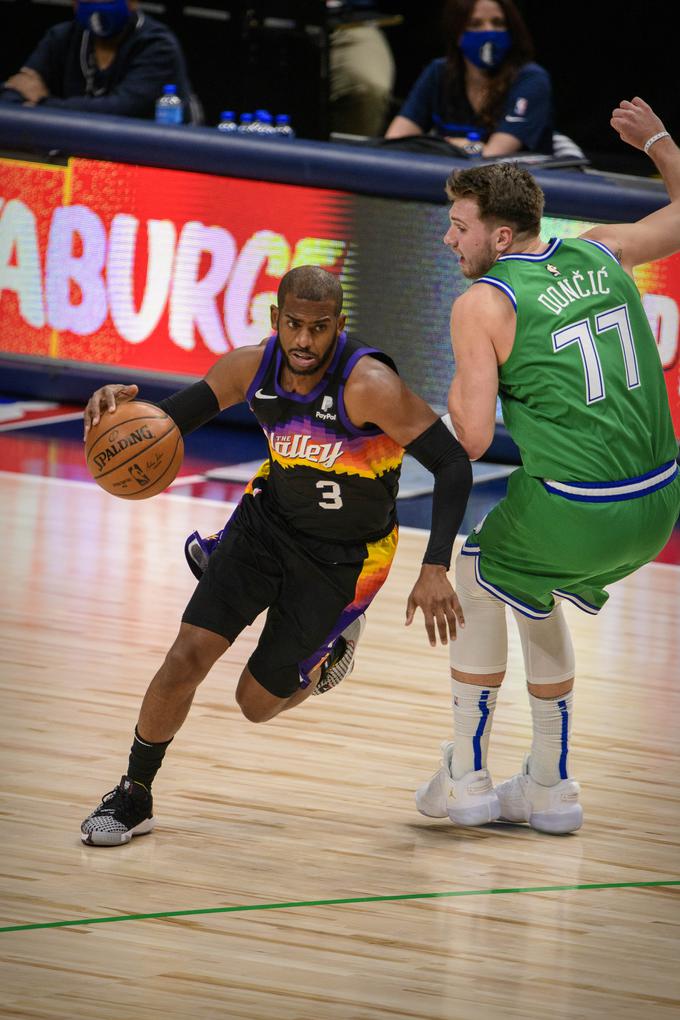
{"x":598,"y":52}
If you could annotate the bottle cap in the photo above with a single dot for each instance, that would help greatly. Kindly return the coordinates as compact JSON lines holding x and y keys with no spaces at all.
{"x":227,"y":115}
{"x":170,"y":90}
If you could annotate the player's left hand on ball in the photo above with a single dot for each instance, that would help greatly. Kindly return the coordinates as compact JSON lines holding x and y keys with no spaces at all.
{"x":106,"y":398}
{"x":439,"y":603}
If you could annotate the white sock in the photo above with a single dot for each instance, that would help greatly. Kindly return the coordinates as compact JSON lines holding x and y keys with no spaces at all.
{"x":550,"y":745}
{"x":473,"y":709}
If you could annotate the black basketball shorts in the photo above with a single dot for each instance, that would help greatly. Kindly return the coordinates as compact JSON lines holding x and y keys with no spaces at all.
{"x":261,"y":565}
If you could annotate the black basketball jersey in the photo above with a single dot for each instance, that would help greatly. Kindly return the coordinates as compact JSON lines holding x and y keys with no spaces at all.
{"x":327,"y":478}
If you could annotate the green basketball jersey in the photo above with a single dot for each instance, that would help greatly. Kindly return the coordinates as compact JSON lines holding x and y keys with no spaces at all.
{"x":582,"y":392}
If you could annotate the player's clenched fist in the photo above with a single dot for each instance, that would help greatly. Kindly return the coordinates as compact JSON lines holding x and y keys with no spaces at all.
{"x":636,"y":122}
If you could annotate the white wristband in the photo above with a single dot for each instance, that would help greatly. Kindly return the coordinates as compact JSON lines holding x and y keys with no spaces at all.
{"x":655,"y":138}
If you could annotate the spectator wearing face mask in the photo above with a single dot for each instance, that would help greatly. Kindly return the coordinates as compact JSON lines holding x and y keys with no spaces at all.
{"x":486,"y":95}
{"x":110,"y":58}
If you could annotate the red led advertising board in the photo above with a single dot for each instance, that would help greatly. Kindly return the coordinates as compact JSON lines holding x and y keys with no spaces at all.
{"x":164,"y":270}
{"x":147,"y":268}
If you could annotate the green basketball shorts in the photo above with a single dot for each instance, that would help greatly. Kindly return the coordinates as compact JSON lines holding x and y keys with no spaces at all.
{"x":570,"y":540}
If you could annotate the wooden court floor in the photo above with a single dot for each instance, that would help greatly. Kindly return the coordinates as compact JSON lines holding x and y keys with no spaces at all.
{"x":289,"y":875}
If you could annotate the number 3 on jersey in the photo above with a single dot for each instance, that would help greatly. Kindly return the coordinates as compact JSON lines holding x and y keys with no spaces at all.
{"x":580,"y":333}
{"x":331,"y":498}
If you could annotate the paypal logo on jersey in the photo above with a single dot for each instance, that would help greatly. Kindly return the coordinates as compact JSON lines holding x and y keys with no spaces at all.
{"x":325,"y":413}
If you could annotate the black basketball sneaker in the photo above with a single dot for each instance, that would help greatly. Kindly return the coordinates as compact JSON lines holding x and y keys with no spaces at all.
{"x":124,"y":812}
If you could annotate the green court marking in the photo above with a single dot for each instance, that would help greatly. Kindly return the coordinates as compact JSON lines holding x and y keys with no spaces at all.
{"x":341,"y":902}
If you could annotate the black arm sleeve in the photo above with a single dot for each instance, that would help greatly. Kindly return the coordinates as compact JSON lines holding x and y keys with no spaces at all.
{"x":192,"y":407}
{"x":438,"y":451}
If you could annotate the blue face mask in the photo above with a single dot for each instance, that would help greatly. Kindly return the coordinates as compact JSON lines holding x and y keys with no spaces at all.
{"x":105,"y":18}
{"x":487,"y":50}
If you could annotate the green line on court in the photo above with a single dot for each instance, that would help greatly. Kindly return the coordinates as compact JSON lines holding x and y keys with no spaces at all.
{"x":340,"y":902}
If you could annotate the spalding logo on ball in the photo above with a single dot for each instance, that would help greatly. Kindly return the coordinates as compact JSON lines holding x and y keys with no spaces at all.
{"x":135,"y":451}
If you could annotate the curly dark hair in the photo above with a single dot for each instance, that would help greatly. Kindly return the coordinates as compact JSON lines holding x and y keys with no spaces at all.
{"x":455,"y":19}
{"x":504,"y":192}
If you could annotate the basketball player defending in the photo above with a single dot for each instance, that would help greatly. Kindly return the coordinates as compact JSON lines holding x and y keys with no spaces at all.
{"x":313,"y":538}
{"x":559,"y":330}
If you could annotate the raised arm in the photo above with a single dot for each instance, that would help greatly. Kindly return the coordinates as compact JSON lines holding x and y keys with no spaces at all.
{"x":657,"y":235}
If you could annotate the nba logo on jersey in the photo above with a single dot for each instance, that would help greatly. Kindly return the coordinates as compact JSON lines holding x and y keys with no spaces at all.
{"x":553,"y":269}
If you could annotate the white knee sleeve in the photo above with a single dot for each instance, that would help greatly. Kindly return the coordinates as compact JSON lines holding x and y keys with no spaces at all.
{"x":482,"y":645}
{"x":547,"y":648}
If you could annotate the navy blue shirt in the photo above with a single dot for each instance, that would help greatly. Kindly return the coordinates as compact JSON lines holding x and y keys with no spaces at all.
{"x":527,"y":114}
{"x":148,"y":57}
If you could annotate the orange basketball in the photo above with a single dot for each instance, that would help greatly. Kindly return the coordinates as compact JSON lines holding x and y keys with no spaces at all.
{"x":134,"y":452}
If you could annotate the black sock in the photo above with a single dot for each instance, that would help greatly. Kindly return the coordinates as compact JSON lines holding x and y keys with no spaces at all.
{"x":145,"y":760}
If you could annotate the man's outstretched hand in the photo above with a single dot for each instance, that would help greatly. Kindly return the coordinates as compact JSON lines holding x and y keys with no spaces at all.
{"x":433,"y":593}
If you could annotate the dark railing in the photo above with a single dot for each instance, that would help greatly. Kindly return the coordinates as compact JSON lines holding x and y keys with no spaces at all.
{"x":359,"y":169}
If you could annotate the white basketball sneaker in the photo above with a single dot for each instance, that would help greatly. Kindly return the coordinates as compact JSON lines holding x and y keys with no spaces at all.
{"x":553,"y":809}
{"x":340,"y":662}
{"x":467,"y":801}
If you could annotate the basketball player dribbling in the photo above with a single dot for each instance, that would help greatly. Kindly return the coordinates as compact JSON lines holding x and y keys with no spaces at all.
{"x":559,"y":331}
{"x":313,"y":538}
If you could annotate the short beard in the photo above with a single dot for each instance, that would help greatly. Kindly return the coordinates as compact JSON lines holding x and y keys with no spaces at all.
{"x":489,"y":261}
{"x":313,"y":369}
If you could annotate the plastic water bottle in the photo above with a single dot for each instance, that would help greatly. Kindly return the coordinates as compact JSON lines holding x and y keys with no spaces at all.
{"x":245,"y":124}
{"x":474,"y":144}
{"x":283,"y":127}
{"x":263,"y":125}
{"x":267,"y":124}
{"x":227,"y":124}
{"x":169,"y":108}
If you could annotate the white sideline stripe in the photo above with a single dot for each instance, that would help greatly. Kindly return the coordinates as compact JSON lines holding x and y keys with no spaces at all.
{"x":93,"y":487}
{"x":176,"y":496}
{"x":55,"y":420}
{"x":187,"y":480}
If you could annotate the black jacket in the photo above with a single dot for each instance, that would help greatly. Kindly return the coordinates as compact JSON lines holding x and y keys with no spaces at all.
{"x":148,"y":57}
